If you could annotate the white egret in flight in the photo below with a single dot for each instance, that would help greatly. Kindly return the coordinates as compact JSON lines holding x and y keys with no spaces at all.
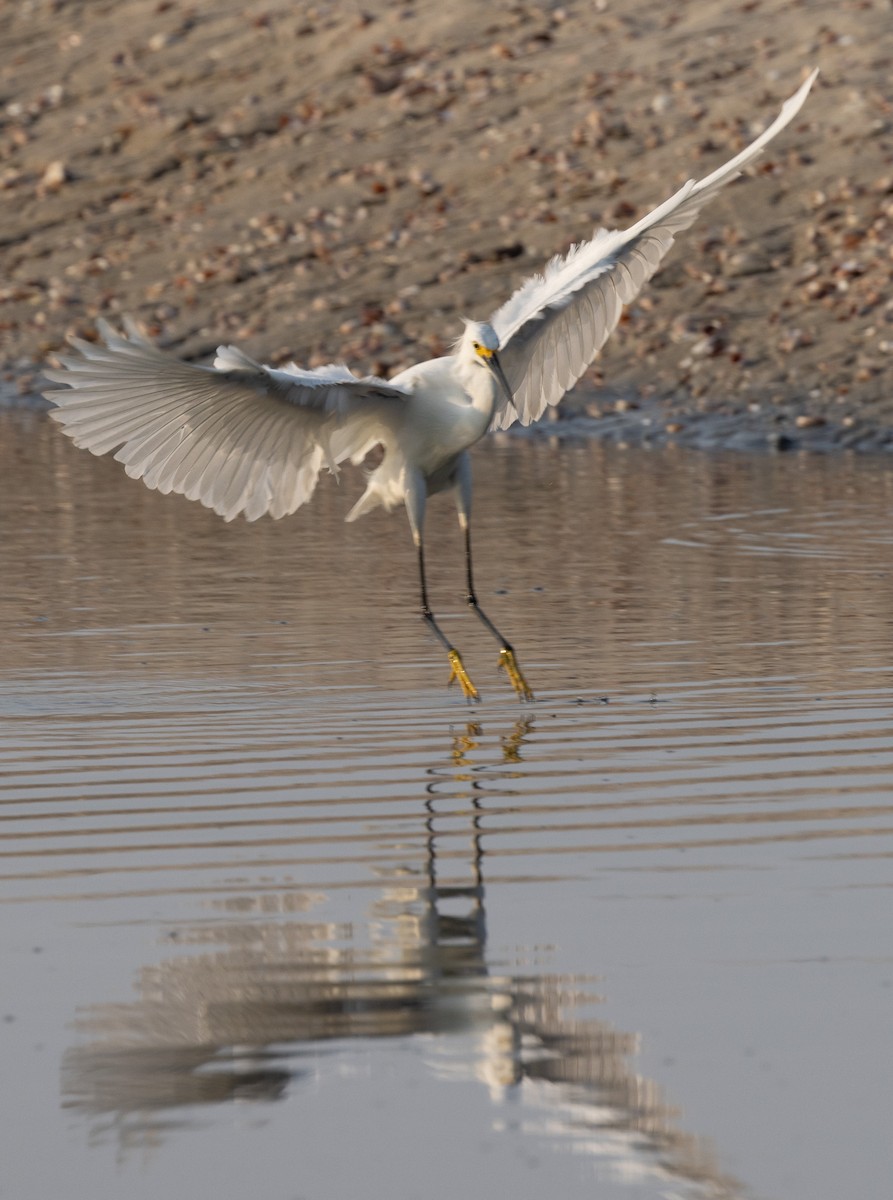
{"x":244,"y":438}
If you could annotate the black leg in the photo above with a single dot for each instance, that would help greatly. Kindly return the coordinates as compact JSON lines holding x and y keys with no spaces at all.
{"x":458,"y":673}
{"x":507,"y":658}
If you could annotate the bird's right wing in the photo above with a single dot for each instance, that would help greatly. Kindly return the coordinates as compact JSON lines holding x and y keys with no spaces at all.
{"x":555,"y":324}
{"x":238,"y":437}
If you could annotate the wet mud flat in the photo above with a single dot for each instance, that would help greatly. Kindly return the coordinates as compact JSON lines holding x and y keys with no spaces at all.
{"x":625,"y":419}
{"x":625,"y":422}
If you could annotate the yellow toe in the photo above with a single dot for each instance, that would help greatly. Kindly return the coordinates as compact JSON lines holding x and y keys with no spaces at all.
{"x":459,"y":675}
{"x":509,"y":663}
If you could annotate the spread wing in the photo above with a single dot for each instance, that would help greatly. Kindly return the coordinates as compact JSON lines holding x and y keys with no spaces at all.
{"x":238,"y":437}
{"x":555,"y":324}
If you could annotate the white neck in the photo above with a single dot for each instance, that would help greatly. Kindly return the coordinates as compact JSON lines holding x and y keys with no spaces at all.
{"x":479,"y":382}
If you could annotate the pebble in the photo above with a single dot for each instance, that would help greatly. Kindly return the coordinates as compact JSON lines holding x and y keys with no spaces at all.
{"x":55,"y":175}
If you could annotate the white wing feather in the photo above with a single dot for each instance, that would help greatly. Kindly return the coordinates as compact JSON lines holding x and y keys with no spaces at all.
{"x":238,"y":437}
{"x":555,"y":324}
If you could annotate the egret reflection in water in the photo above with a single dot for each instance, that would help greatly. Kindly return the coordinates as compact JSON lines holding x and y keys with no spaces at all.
{"x":245,"y":1018}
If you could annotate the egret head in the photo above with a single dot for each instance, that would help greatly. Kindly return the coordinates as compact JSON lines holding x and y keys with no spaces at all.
{"x":479,"y":344}
{"x":479,"y":341}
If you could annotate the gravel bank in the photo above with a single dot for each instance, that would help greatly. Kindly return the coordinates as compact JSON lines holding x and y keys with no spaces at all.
{"x":327,"y":183}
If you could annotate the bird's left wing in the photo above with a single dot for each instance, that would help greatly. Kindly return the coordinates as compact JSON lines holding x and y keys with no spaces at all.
{"x":555,"y":324}
{"x":238,"y":437}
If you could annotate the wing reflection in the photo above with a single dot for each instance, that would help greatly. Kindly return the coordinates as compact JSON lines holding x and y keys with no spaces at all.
{"x":241,"y":1019}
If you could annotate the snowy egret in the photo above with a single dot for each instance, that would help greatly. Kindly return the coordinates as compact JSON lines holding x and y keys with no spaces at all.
{"x":244,"y":438}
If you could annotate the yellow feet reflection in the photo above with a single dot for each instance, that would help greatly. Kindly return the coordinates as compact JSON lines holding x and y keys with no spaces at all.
{"x":460,"y":675}
{"x":508,"y":661}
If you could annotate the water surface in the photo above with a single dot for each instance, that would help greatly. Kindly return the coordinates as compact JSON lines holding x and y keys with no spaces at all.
{"x":281,"y":916}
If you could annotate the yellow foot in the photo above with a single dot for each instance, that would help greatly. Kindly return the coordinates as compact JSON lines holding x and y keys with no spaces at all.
{"x":508,"y":661}
{"x":459,"y":675}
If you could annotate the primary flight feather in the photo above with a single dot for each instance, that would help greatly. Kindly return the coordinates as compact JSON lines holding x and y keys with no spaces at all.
{"x":240,"y":437}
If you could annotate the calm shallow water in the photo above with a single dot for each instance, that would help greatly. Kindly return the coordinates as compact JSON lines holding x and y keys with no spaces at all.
{"x":280,"y":916}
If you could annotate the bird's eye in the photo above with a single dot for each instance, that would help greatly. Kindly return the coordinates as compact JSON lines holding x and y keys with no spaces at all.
{"x":477,"y":345}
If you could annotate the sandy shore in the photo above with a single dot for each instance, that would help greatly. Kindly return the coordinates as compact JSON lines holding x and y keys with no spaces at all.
{"x":333,"y":182}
